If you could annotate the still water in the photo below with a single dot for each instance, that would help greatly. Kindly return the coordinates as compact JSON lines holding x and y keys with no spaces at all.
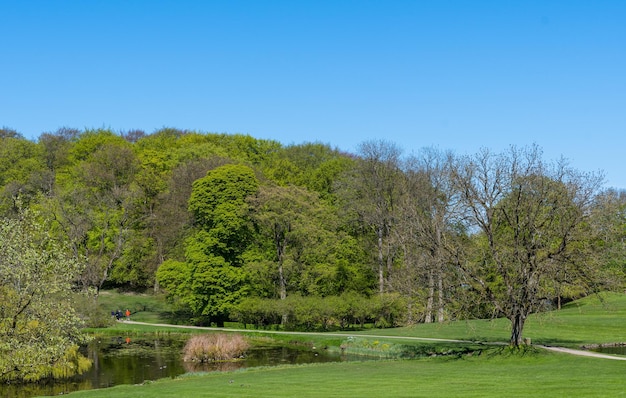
{"x":120,"y":360}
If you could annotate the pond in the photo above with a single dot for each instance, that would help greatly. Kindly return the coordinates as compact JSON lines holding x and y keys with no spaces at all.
{"x":122,"y":360}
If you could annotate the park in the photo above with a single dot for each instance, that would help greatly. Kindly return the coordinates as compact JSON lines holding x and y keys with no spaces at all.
{"x":417,"y":268}
{"x":463,"y":358}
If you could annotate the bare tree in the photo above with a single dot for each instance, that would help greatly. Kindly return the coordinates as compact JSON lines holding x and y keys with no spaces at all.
{"x":529,"y":220}
{"x":427,"y":227}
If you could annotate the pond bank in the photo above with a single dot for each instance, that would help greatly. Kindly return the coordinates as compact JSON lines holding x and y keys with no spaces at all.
{"x":121,"y":359}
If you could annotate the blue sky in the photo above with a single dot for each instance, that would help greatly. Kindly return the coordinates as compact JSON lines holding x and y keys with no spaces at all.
{"x":457,"y":75}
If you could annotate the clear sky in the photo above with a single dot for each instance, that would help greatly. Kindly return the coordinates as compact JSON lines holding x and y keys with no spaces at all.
{"x":456,"y":75}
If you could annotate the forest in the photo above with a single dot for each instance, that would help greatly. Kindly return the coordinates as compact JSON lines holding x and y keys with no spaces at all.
{"x":307,"y":236}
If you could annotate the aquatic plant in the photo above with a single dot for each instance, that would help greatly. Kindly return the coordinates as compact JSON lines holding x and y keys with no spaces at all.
{"x":215,"y":347}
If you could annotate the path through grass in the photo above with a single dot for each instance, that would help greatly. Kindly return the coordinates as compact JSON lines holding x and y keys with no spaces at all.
{"x":492,"y":374}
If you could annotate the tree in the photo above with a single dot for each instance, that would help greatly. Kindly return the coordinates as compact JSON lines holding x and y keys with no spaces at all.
{"x":172,"y":220}
{"x":212,"y":271}
{"x":7,"y":132}
{"x":22,"y":171}
{"x":39,"y":329}
{"x":94,"y":202}
{"x":371,"y":192}
{"x":56,"y":146}
{"x":609,"y":222}
{"x":219,"y":207}
{"x":531,"y":221}
{"x":428,"y":229}
{"x":277,"y":211}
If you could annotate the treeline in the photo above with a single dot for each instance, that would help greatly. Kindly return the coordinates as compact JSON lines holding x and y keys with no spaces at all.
{"x":230,"y":225}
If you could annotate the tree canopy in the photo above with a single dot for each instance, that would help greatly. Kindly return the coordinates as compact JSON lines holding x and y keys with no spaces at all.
{"x":236,"y":227}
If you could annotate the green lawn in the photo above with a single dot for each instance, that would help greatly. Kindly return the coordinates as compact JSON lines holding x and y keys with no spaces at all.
{"x":540,"y":375}
{"x":494,"y":373}
{"x":144,"y":307}
{"x":586,"y":321}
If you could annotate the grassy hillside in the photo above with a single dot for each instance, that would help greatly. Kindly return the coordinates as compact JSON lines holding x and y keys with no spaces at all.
{"x":594,"y":319}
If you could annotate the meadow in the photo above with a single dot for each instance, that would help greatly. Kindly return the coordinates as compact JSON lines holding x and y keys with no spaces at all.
{"x":494,"y":371}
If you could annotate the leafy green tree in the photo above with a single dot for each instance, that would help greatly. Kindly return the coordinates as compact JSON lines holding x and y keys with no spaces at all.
{"x":609,"y":224}
{"x":55,"y":152}
{"x":324,"y":178}
{"x":297,"y":164}
{"x":213,"y":273}
{"x":286,"y":216}
{"x":22,"y":172}
{"x":39,"y":329}
{"x":370,"y":193}
{"x":172,"y":222}
{"x":174,"y":276}
{"x":94,"y":202}
{"x":56,"y":146}
{"x":219,"y":207}
{"x":245,"y":148}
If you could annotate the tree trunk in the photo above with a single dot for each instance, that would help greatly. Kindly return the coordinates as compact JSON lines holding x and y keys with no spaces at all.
{"x":431,"y":298}
{"x":409,"y":309}
{"x":156,"y":287}
{"x":440,"y":304}
{"x":517,"y":327}
{"x":283,"y":290}
{"x":280,"y":248}
{"x":381,"y":262}
{"x":283,"y":283}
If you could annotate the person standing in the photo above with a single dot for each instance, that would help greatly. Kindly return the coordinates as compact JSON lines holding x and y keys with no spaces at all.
{"x":127,"y":314}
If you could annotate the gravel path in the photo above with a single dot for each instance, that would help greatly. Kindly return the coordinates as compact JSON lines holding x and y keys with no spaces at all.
{"x":583,"y":353}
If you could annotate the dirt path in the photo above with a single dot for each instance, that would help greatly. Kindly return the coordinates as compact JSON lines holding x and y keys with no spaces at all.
{"x":296,"y":333}
{"x":582,"y":353}
{"x":550,"y":348}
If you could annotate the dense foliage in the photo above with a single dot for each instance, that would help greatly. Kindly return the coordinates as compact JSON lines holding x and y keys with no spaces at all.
{"x":39,"y":329}
{"x":237,"y":228}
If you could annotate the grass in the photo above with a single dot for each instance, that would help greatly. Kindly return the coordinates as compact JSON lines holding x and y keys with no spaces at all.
{"x":539,"y":374}
{"x":591,"y":320}
{"x":144,"y":307}
{"x":494,"y":373}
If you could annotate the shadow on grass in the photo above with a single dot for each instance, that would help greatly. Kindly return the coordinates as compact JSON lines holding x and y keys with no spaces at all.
{"x":441,"y":350}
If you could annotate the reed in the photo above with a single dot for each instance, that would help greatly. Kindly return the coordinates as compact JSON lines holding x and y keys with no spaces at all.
{"x":215,"y":347}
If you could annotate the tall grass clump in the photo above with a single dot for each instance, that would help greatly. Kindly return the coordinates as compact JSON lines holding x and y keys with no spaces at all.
{"x":215,"y":347}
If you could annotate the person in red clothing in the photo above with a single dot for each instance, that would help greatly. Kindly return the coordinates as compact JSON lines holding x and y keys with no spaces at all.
{"x":127,"y":313}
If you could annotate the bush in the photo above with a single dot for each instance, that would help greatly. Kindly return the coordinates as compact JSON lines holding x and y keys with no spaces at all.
{"x":215,"y":347}
{"x":390,"y":309}
{"x":323,"y":313}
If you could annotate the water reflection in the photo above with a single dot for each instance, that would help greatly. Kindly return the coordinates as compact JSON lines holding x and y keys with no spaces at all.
{"x":123,"y":360}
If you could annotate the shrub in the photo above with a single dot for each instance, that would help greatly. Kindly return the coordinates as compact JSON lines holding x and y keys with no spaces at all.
{"x":215,"y":347}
